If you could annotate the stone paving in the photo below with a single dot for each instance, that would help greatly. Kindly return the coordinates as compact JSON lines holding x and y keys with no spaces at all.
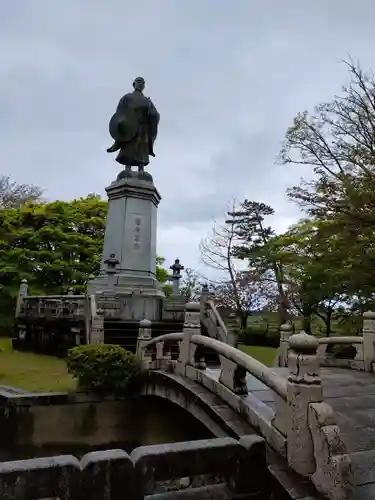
{"x":350,"y":393}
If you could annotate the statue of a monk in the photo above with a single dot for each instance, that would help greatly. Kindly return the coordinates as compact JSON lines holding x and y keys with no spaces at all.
{"x":134,"y":128}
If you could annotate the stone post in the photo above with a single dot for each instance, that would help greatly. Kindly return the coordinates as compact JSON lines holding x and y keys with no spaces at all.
{"x":21,"y":295}
{"x":192,"y":318}
{"x":97,"y":328}
{"x":285,"y":333}
{"x":304,"y":386}
{"x":203,"y":300}
{"x":163,"y":355}
{"x":204,"y":294}
{"x":192,"y":326}
{"x":368,"y":340}
{"x":144,"y":336}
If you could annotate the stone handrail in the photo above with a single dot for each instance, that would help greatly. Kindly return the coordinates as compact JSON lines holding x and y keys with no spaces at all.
{"x":364,"y":345}
{"x":55,"y":297}
{"x":340,"y":340}
{"x":218,"y":318}
{"x":251,"y":365}
{"x":210,"y":468}
{"x":212,"y":320}
{"x":353,"y":360}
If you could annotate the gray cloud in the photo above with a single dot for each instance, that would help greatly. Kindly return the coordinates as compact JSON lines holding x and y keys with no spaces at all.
{"x":227,"y":78}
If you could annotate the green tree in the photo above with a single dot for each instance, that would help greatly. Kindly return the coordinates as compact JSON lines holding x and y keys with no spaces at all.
{"x":191,"y":285}
{"x":337,"y":140}
{"x":53,"y":245}
{"x":253,"y":235}
{"x":217,"y":253}
{"x":162,"y":275}
{"x":314,"y":272}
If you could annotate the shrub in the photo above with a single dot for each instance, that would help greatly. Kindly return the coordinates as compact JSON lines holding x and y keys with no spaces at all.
{"x":103,"y":368}
{"x":257,"y":335}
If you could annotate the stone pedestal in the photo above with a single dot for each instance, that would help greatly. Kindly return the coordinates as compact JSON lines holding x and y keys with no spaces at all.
{"x":126,"y":287}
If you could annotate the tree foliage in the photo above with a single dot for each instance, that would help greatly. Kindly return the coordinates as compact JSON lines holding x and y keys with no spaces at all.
{"x":314,"y":275}
{"x":191,"y":285}
{"x":13,"y":195}
{"x":331,"y":256}
{"x":253,"y":235}
{"x":217,"y":253}
{"x":53,"y":245}
{"x":338,"y":141}
{"x":323,"y":264}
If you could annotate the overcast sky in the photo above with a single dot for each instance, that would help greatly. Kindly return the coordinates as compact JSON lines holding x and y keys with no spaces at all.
{"x":226,"y":76}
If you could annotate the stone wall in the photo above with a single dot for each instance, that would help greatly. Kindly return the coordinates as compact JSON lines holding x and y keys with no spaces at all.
{"x":31,"y":425}
{"x":218,"y":468}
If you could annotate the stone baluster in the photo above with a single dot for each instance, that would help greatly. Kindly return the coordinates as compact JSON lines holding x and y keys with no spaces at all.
{"x":192,"y":326}
{"x":368,"y":340}
{"x":204,"y":297}
{"x":233,"y":376}
{"x":144,"y":336}
{"x":22,"y":293}
{"x":279,"y":420}
{"x":285,"y":333}
{"x":304,"y":386}
{"x":192,"y":321}
{"x":163,"y":355}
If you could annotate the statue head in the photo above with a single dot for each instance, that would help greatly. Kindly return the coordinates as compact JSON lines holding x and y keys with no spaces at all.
{"x":139,"y":83}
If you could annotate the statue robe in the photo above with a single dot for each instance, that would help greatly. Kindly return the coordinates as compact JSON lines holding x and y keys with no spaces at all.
{"x":141,"y":119}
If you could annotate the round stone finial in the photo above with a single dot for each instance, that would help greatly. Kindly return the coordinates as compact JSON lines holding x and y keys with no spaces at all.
{"x":286,"y":327}
{"x":369,"y":315}
{"x":24,"y":281}
{"x":145,"y":323}
{"x":192,"y":306}
{"x":303,"y":343}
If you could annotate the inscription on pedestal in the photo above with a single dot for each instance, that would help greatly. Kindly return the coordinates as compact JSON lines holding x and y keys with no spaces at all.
{"x":110,"y":303}
{"x":137,"y":232}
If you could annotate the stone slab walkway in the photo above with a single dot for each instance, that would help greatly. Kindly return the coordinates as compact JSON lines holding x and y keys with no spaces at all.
{"x":350,"y":393}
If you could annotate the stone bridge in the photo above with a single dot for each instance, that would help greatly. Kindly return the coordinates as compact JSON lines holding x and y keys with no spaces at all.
{"x":315,"y":410}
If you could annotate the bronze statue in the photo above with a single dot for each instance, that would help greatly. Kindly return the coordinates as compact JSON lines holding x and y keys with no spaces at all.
{"x":134,"y":128}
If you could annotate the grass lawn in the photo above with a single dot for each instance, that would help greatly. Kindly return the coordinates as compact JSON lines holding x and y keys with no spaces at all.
{"x":39,"y":373}
{"x":33,"y":372}
{"x":265,"y":355}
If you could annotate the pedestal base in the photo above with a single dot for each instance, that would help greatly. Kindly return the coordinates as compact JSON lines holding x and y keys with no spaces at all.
{"x":127,"y":288}
{"x":127,"y":297}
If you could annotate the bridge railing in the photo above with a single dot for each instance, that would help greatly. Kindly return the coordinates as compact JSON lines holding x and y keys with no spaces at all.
{"x":301,"y":427}
{"x":212,"y":320}
{"x":355,"y":352}
{"x":213,"y":468}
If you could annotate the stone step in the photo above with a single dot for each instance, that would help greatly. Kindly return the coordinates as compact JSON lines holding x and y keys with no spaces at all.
{"x":363,"y":467}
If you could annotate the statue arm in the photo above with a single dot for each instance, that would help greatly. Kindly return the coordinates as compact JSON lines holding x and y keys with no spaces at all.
{"x":153,"y":112}
{"x":122,"y":104}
